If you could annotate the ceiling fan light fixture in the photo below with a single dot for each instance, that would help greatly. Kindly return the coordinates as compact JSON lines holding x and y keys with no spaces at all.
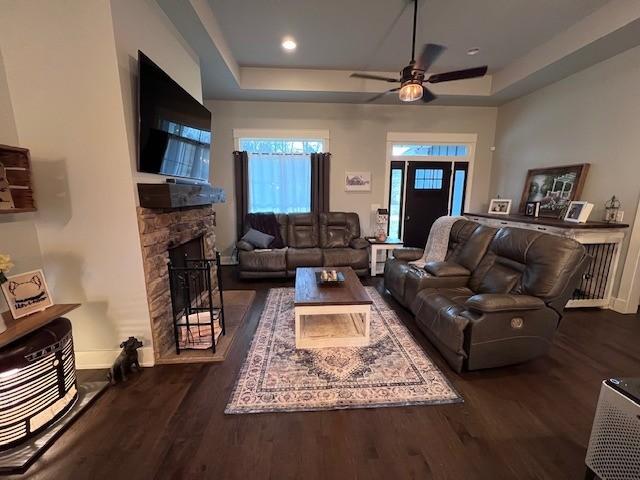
{"x":410,"y":92}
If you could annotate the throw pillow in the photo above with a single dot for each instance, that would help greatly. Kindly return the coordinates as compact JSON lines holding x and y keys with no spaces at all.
{"x":257,"y":239}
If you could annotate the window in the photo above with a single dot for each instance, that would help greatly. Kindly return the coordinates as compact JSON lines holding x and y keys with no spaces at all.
{"x":279,"y":174}
{"x":423,"y":150}
{"x":428,"y":179}
{"x":395,"y":199}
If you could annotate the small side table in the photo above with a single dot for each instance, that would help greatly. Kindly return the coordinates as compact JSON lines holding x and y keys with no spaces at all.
{"x":376,"y":246}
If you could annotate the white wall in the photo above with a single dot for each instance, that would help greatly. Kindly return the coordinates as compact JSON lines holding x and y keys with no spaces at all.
{"x":358,"y":143}
{"x":71,"y":84}
{"x":18,"y":235}
{"x":590,"y":117}
{"x":161,"y":42}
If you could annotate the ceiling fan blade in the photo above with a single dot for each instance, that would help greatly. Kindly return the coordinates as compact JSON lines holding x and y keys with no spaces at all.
{"x":380,"y":95}
{"x":374,"y":77}
{"x":430,"y":53}
{"x":458,"y":75}
{"x":428,"y":95}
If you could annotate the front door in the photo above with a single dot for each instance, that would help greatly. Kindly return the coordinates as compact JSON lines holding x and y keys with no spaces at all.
{"x":427,"y":198}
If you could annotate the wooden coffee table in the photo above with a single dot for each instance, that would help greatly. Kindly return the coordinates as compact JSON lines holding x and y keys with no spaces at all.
{"x":331,"y":316}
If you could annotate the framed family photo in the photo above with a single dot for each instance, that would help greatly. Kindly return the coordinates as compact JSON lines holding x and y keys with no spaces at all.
{"x":578,"y":212}
{"x":554,"y":187}
{"x":500,"y":206}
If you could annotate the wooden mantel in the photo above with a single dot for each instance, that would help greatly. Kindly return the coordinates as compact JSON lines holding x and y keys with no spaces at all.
{"x":19,"y":328}
{"x":178,"y":195}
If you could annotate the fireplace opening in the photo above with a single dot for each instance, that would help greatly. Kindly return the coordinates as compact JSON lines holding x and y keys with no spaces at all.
{"x":196,"y":296}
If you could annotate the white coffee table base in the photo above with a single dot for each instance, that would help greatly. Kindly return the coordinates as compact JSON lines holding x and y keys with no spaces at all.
{"x":332,"y":326}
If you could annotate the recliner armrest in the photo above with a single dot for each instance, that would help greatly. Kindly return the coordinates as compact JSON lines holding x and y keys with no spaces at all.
{"x":358,"y":243}
{"x":408,"y":254}
{"x":446,"y":269}
{"x":244,"y":245}
{"x":499,"y":302}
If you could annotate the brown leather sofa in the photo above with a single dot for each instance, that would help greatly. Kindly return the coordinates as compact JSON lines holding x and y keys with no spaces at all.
{"x":324,"y":240}
{"x":502,"y":309}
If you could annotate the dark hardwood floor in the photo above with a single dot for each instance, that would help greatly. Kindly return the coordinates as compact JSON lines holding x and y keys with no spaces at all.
{"x":530,"y":421}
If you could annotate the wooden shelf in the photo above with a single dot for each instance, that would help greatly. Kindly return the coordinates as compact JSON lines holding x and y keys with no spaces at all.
{"x":17,"y":164}
{"x":178,"y":195}
{"x":25,"y":325}
{"x":18,"y":210}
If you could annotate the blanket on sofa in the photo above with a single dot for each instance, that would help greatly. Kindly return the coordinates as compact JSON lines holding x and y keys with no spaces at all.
{"x":438,"y":241}
{"x":266,"y":223}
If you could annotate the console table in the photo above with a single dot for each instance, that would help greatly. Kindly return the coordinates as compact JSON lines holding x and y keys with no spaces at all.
{"x":602,"y":240}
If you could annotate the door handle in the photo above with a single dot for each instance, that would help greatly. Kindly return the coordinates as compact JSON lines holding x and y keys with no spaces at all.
{"x":407,"y":217}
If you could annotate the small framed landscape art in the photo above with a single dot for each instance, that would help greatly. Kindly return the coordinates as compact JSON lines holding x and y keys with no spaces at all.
{"x":500,"y":206}
{"x":26,"y":293}
{"x":357,"y":181}
{"x":554,"y":188}
{"x":578,"y":212}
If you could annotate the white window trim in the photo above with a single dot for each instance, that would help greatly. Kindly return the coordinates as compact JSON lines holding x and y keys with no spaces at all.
{"x":323,"y":135}
{"x":468,"y":139}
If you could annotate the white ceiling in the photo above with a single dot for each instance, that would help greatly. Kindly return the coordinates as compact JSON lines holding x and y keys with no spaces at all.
{"x":376,"y":34}
{"x":527,"y":44}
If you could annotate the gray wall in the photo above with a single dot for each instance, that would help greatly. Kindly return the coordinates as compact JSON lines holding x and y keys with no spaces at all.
{"x":357,"y":143}
{"x":590,"y":117}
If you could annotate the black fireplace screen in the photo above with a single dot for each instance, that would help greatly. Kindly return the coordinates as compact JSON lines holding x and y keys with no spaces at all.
{"x":198,"y":311}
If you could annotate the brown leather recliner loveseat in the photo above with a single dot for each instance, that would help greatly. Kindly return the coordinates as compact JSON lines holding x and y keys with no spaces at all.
{"x":311,"y":240}
{"x":498,"y":297}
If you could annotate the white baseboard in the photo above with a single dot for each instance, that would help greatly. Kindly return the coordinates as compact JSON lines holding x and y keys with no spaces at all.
{"x":95,"y":359}
{"x":621,"y":305}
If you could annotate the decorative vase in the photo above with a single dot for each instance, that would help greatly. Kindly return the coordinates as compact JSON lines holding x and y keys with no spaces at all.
{"x":381,"y":236}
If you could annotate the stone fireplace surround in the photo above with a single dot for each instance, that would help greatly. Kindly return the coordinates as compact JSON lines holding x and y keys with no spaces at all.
{"x":161,"y":230}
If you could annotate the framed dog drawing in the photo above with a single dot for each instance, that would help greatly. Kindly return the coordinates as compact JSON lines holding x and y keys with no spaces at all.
{"x":27,"y":293}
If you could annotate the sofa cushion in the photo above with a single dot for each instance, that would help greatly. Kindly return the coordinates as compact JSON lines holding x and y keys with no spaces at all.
{"x":257,"y":239}
{"x":446,"y":269}
{"x":303,"y":230}
{"x":408,"y":254}
{"x":345,"y":257}
{"x":303,"y":257}
{"x":337,"y":229}
{"x":242,"y":245}
{"x":263,"y":261}
{"x":359,"y":243}
{"x":527,"y":262}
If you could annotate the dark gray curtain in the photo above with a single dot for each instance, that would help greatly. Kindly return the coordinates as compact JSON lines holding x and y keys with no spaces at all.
{"x":320,"y":168}
{"x":241,"y":170}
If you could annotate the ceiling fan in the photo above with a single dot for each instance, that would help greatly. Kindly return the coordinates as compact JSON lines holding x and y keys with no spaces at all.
{"x":412,"y":77}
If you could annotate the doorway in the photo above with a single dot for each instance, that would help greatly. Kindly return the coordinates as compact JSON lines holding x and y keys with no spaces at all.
{"x":426,"y":181}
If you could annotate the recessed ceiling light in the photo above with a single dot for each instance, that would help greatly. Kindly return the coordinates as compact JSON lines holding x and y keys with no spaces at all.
{"x":473,"y":51}
{"x":289,"y":44}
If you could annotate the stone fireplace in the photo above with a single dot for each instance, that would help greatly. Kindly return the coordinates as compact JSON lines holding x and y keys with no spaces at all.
{"x":161,"y":231}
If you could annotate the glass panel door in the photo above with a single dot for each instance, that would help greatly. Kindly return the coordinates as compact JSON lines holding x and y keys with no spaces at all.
{"x":396,"y":190}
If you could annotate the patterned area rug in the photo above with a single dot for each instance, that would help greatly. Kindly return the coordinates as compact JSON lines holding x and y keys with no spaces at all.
{"x":392,"y":371}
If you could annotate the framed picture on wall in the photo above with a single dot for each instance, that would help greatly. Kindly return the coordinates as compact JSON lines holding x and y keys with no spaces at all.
{"x":357,"y":181}
{"x":27,"y":293}
{"x":554,"y":187}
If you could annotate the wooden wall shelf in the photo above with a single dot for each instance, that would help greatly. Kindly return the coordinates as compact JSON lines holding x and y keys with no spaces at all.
{"x":25,"y":325}
{"x":17,"y":165}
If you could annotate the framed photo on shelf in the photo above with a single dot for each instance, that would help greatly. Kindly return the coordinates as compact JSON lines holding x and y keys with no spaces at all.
{"x":27,"y":293}
{"x":532,"y":209}
{"x":578,"y":212}
{"x":554,"y":187}
{"x":500,"y":206}
{"x":357,"y":181}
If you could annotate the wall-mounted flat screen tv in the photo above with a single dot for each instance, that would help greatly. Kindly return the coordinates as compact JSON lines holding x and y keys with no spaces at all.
{"x":175,"y":128}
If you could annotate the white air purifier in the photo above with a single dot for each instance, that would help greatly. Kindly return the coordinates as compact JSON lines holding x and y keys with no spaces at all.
{"x":614,"y":447}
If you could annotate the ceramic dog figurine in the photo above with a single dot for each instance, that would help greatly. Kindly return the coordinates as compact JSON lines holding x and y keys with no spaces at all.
{"x":126,"y":361}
